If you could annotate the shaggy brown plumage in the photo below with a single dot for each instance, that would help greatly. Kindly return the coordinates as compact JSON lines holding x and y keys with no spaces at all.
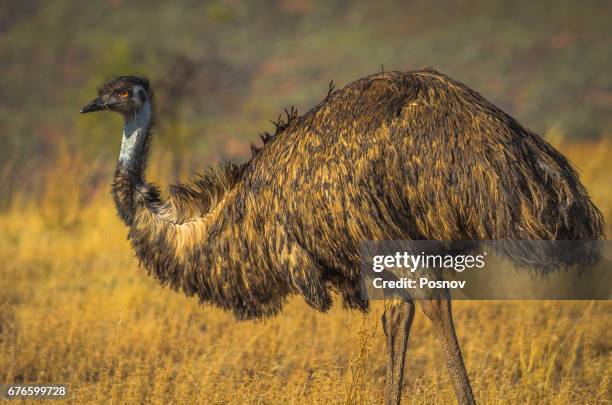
{"x":396,"y":155}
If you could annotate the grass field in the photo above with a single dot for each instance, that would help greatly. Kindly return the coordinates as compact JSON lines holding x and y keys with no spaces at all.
{"x":75,"y":309}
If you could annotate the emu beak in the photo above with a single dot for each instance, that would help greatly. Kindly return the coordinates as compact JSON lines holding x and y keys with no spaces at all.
{"x":94,"y":105}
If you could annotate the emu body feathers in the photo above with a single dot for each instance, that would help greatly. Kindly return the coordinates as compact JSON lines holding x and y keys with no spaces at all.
{"x":396,"y":155}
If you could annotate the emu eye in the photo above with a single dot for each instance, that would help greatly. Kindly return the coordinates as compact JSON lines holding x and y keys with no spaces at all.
{"x":124,"y":94}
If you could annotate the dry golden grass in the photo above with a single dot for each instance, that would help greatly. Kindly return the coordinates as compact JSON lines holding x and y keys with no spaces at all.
{"x":75,"y":309}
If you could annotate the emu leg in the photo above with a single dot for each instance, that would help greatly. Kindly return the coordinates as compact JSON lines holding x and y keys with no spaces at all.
{"x":439,"y":312}
{"x":396,"y":321}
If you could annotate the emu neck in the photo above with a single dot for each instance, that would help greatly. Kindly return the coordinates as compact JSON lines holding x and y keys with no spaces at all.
{"x":129,"y":175}
{"x":135,"y":141}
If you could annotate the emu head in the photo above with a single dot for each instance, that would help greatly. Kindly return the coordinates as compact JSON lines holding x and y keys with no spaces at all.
{"x":123,"y":94}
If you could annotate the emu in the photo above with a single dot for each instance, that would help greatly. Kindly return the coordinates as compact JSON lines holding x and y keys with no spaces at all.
{"x":393,"y":156}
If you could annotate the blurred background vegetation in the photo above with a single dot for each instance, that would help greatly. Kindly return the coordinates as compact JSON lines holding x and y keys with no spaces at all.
{"x":223,"y":69}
